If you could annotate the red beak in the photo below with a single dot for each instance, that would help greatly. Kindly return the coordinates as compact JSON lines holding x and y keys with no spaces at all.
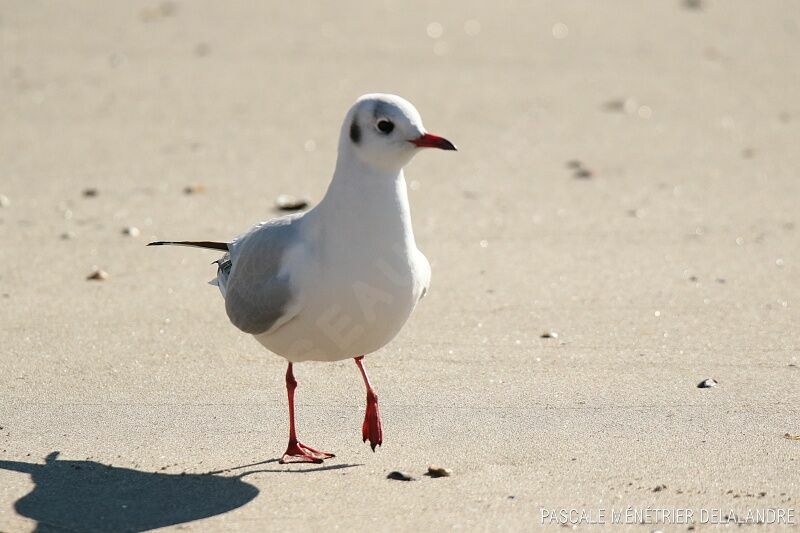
{"x":433,"y":141}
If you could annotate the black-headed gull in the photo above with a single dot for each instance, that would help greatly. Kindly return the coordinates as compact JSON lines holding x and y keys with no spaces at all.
{"x":341,"y":279}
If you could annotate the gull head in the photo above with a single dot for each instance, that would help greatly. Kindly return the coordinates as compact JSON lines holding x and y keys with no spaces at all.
{"x":385,"y":131}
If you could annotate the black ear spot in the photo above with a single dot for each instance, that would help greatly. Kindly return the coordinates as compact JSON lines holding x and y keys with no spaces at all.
{"x":355,"y":132}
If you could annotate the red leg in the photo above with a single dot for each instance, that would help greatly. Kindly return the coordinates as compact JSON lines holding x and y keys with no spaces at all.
{"x":372,"y":428}
{"x":297,"y":452}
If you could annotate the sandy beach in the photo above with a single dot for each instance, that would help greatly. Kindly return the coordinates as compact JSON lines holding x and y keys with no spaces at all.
{"x":619,"y":224}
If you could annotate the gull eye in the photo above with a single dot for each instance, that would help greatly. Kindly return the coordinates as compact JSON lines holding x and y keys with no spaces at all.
{"x":385,"y":126}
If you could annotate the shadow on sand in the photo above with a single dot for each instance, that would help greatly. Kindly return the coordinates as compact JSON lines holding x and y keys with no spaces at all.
{"x":90,"y":496}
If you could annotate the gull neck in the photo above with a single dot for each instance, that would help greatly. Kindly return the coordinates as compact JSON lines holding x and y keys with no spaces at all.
{"x":367,"y":203}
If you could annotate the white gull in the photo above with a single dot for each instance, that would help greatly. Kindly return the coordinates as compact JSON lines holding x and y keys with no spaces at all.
{"x":340,"y":280}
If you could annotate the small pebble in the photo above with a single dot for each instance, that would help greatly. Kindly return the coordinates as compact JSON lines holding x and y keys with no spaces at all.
{"x":614,"y":105}
{"x":707,"y":383}
{"x":438,"y":471}
{"x":5,"y":201}
{"x":286,"y":202}
{"x":400,"y":476}
{"x":98,"y":275}
{"x":91,"y":192}
{"x":624,"y":105}
{"x":131,"y":231}
{"x":580,"y":170}
{"x":549,"y":335}
{"x":194,"y":189}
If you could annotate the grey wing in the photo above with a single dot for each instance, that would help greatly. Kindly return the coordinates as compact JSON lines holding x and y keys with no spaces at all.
{"x":258,"y":290}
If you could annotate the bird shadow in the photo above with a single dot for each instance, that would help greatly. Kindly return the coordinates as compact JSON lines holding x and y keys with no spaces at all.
{"x":90,"y":496}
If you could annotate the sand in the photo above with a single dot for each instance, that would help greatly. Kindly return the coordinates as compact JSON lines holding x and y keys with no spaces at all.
{"x":675,"y":260}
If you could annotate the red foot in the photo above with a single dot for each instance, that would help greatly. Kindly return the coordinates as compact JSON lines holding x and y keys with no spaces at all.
{"x":372,"y":428}
{"x":297,"y":452}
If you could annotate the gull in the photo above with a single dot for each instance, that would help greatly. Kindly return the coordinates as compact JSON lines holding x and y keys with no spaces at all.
{"x":338,"y":281}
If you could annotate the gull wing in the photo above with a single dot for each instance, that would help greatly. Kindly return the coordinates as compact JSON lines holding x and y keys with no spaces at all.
{"x":255,"y":278}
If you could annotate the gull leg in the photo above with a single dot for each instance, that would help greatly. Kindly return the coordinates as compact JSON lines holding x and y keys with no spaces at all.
{"x":372,"y":428}
{"x":297,"y":452}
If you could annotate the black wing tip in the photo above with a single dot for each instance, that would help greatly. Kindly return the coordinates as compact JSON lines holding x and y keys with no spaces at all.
{"x":211,"y":245}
